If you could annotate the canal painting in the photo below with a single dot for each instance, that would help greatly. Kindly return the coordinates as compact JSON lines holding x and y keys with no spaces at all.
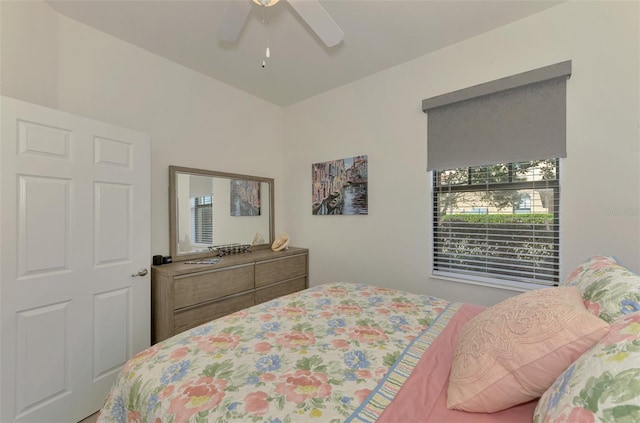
{"x":340,"y":186}
{"x":245,"y":198}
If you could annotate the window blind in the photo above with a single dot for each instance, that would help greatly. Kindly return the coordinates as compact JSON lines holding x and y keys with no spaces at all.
{"x":498,"y":222}
{"x":517,"y":118}
{"x":202,"y":219}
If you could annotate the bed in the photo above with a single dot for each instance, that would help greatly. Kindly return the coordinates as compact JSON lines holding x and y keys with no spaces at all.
{"x":342,"y":352}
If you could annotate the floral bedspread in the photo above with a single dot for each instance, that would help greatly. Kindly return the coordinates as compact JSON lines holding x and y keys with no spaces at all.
{"x":315,"y":355}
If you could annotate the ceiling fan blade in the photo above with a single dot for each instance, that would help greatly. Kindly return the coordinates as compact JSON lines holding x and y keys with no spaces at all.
{"x":312,"y":12}
{"x":233,"y":20}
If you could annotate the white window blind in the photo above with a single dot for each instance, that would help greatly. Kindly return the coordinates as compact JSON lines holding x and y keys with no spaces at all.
{"x":202,"y":219}
{"x":498,"y":221}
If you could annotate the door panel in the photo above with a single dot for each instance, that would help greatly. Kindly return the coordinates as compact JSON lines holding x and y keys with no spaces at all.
{"x":75,"y":228}
{"x":42,"y":356}
{"x":43,"y":244}
{"x":112,"y":219}
{"x":110,"y":331}
{"x":34,"y":138}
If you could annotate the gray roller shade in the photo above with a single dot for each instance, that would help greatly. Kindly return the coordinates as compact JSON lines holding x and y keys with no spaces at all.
{"x":517,"y":118}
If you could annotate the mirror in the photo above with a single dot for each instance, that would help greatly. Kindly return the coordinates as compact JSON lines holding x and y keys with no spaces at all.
{"x":208,"y":208}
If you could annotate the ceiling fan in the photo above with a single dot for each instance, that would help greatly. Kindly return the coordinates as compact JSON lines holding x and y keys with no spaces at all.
{"x":311,"y":11}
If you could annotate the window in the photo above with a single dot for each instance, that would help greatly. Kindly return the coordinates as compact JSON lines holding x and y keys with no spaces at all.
{"x":498,"y":222}
{"x":493,"y":150}
{"x":202,"y":219}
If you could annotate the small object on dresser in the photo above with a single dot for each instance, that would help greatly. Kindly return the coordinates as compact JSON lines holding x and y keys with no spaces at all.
{"x":226,"y":249}
{"x":157,"y":260}
{"x":257,"y":239}
{"x":167,"y":259}
{"x":281,"y":242}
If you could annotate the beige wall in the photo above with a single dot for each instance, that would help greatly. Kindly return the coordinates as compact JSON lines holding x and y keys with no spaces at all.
{"x":29,"y":52}
{"x":193,"y":120}
{"x":381,"y":116}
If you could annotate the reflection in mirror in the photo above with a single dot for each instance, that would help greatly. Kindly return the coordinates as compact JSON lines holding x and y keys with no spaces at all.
{"x":210,"y":208}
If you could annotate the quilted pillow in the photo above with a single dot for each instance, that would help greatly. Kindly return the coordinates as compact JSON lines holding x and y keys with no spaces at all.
{"x":609,"y":289}
{"x":512,"y":352}
{"x":603,"y":384}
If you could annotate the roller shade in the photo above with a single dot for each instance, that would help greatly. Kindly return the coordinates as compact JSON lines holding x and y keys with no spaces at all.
{"x":517,"y":118}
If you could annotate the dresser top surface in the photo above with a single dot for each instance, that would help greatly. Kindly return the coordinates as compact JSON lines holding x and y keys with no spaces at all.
{"x":181,"y":267}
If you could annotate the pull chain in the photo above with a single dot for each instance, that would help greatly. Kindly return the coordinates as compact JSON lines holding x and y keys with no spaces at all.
{"x":267,"y":52}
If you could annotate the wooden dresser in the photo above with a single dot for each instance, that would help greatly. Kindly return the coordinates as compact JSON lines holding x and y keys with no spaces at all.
{"x":186,"y":295}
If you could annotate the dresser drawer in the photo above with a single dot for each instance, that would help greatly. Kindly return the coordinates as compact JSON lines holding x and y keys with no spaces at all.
{"x":201,"y":287}
{"x":268,"y":272}
{"x":280,"y":289}
{"x":185,"y":295}
{"x":194,"y":316}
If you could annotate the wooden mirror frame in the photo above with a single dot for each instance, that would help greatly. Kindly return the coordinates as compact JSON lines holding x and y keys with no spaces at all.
{"x":173,"y":208}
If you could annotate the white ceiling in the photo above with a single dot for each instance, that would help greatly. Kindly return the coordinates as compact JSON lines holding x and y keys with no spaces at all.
{"x":378,"y":35}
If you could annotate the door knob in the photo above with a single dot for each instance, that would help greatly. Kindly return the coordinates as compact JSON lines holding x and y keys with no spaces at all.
{"x":141,"y":272}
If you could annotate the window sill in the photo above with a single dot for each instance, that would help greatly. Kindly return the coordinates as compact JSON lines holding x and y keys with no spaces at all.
{"x":489,"y":283}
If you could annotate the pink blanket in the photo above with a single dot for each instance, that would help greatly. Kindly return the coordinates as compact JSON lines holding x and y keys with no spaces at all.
{"x":423,"y":396}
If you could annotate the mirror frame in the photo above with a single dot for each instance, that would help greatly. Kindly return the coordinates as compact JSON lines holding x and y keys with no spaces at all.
{"x":173,"y":208}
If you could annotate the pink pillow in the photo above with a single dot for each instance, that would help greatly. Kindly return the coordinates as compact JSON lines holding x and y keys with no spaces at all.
{"x":512,"y":352}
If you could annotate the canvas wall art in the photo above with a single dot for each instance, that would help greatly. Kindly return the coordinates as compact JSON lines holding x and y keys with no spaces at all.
{"x":340,"y":186}
{"x":245,"y":198}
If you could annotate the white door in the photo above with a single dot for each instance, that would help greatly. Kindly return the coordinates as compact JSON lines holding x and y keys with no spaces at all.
{"x":75,"y":218}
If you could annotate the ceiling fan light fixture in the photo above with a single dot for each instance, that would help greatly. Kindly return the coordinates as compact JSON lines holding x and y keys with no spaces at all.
{"x":265,"y":3}
{"x":310,"y":11}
